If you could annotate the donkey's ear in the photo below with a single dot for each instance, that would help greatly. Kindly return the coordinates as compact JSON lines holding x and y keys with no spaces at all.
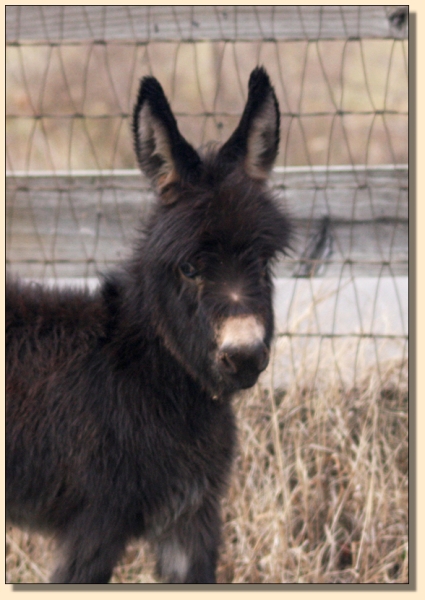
{"x":163,"y":154}
{"x":255,"y":142}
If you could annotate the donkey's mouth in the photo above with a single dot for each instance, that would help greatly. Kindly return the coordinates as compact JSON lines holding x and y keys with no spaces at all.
{"x":247,"y":381}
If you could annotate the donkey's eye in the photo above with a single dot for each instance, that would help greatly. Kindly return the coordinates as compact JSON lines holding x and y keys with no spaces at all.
{"x":188,"y":270}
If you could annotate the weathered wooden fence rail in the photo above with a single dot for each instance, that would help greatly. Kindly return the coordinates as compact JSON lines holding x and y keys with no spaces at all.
{"x":351,"y":221}
{"x":166,"y":23}
{"x":75,"y":225}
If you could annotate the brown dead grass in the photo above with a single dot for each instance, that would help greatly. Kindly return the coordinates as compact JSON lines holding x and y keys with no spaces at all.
{"x":319,"y":491}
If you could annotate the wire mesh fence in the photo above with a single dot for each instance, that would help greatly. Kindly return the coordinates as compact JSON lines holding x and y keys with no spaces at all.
{"x":340,"y":74}
{"x":341,"y":77}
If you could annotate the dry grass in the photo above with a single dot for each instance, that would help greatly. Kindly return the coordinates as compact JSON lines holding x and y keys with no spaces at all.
{"x":319,"y":491}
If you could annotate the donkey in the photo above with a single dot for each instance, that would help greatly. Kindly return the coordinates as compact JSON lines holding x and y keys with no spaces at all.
{"x":119,"y":416}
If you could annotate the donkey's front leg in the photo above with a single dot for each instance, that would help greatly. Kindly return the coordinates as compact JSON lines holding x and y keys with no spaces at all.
{"x":88,"y":556}
{"x":189,"y":551}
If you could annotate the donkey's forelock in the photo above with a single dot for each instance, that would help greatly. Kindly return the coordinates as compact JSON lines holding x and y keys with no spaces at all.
{"x":245,"y":212}
{"x":235,"y":213}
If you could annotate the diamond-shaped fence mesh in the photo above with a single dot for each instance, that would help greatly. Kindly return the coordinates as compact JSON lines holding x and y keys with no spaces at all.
{"x":340,"y":74}
{"x":341,"y":77}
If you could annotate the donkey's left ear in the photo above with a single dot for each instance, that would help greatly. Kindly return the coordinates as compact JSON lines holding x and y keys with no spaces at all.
{"x":255,"y":142}
{"x":163,"y":154}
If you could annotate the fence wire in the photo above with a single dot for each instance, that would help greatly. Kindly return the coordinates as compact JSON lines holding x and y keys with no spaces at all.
{"x":341,"y":77}
{"x":331,"y":446}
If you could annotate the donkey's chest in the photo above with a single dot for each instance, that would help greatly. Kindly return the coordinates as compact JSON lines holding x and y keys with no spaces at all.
{"x":178,"y":499}
{"x":190,"y":466}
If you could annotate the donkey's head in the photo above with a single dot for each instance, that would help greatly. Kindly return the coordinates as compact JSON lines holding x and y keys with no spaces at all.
{"x":205,"y":259}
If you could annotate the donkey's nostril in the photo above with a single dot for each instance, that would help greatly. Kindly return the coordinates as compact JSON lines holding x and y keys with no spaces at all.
{"x":226,"y":363}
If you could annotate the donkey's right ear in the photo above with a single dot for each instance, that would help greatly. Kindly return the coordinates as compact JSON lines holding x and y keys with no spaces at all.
{"x":255,"y":141}
{"x":163,"y":154}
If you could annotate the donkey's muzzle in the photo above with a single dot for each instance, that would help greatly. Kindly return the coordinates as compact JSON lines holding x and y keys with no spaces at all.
{"x":242,"y":353}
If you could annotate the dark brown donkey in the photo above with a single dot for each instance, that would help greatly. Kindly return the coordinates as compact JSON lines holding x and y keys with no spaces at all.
{"x":119,"y":417}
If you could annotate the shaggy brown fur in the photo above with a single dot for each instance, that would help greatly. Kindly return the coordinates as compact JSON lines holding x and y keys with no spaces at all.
{"x":119,"y":421}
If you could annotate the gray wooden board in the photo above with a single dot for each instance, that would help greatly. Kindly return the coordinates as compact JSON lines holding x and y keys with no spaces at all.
{"x":87,"y":221}
{"x":197,"y":22}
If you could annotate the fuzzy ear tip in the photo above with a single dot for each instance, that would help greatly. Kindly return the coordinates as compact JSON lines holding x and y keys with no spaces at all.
{"x":259,"y":77}
{"x":150,"y":93}
{"x":149,"y":88}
